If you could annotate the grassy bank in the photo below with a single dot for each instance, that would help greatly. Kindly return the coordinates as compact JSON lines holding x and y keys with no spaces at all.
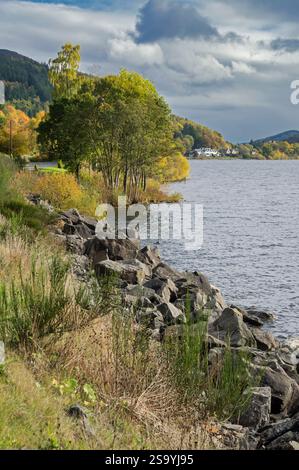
{"x":69,"y":343}
{"x":63,"y":191}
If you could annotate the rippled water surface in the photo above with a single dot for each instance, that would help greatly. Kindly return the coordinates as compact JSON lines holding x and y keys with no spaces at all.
{"x":251,"y":234}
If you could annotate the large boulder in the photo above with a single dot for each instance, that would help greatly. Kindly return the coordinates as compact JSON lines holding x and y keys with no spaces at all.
{"x":216,"y":301}
{"x":272,"y":432}
{"x":133,"y":271}
{"x":151,"y":318}
{"x":75,"y":244}
{"x":262,"y":315}
{"x":285,"y":391}
{"x":165,"y":272}
{"x":80,"y":229}
{"x":289,"y":355}
{"x":264,"y":339}
{"x":171,"y":314}
{"x":71,"y":216}
{"x":249,"y":318}
{"x":116,"y":250}
{"x":257,"y":414}
{"x":231,"y":328}
{"x":75,"y":224}
{"x":193,"y":281}
{"x":166,"y":289}
{"x":149,"y":255}
{"x":288,"y":441}
{"x":195,"y":290}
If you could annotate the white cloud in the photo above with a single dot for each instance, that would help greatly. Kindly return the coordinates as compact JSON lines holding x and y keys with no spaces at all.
{"x":126,"y":50}
{"x":241,"y":67}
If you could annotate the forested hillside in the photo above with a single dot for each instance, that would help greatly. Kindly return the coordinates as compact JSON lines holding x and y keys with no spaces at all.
{"x":194,"y":135}
{"x":27,"y":85}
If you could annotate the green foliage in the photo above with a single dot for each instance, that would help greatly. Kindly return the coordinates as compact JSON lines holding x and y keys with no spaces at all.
{"x":64,"y":134}
{"x":34,"y":306}
{"x":63,"y":72}
{"x":191,"y":135}
{"x":228,"y":383}
{"x":26,"y":82}
{"x":21,"y":214}
{"x":217,"y":388}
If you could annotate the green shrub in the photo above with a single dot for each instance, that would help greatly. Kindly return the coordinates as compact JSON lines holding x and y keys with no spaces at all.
{"x":226,"y":386}
{"x":23,"y":214}
{"x":34,"y":306}
{"x":216,"y":388}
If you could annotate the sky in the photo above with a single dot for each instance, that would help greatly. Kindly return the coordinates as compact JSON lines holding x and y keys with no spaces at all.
{"x":228,"y":64}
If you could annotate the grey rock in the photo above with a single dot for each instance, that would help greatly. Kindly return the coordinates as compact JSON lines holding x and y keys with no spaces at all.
{"x":216,"y":301}
{"x":190,"y":281}
{"x":149,"y":255}
{"x":166,"y":289}
{"x":289,"y":353}
{"x":275,"y":430}
{"x":74,"y":244}
{"x":83,"y":231}
{"x":116,"y":250}
{"x":230,"y":327}
{"x":171,"y":314}
{"x":285,"y":391}
{"x":264,"y":339}
{"x":71,"y":216}
{"x":89,"y":222}
{"x":151,"y":318}
{"x":69,"y":229}
{"x":263,"y":315}
{"x":140,"y":291}
{"x":215,"y":342}
{"x":165,"y":272}
{"x":288,"y":441}
{"x":257,"y":415}
{"x":235,"y":437}
{"x":133,"y":271}
{"x":248,"y":318}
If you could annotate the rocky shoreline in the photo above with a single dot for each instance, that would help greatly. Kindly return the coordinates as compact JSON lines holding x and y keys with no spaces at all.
{"x":158,"y":294}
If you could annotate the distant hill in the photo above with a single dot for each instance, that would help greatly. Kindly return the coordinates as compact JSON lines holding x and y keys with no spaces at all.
{"x":193,"y":135}
{"x":288,"y":136}
{"x":26,"y":81}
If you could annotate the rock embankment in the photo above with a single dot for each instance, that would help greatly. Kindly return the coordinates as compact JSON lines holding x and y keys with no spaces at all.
{"x":158,"y":294}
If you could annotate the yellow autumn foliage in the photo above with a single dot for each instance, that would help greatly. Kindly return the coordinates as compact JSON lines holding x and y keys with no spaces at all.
{"x":173,"y":168}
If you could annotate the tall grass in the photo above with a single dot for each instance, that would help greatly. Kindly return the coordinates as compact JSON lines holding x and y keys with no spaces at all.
{"x":33,"y":306}
{"x":213,"y":387}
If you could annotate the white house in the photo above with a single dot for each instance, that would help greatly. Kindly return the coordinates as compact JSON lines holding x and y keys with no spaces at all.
{"x":206,"y":152}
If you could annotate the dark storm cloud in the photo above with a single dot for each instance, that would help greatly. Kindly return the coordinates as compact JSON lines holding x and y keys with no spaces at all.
{"x":285,"y":45}
{"x":166,"y":19}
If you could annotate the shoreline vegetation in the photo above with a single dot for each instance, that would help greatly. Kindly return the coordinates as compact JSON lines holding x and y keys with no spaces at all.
{"x":106,"y":346}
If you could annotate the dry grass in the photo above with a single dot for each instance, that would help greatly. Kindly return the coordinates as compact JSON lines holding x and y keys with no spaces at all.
{"x":130,"y":387}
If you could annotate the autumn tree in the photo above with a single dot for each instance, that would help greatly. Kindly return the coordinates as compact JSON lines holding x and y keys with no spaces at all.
{"x":17,"y":135}
{"x":130,"y":130}
{"x":64,"y":72}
